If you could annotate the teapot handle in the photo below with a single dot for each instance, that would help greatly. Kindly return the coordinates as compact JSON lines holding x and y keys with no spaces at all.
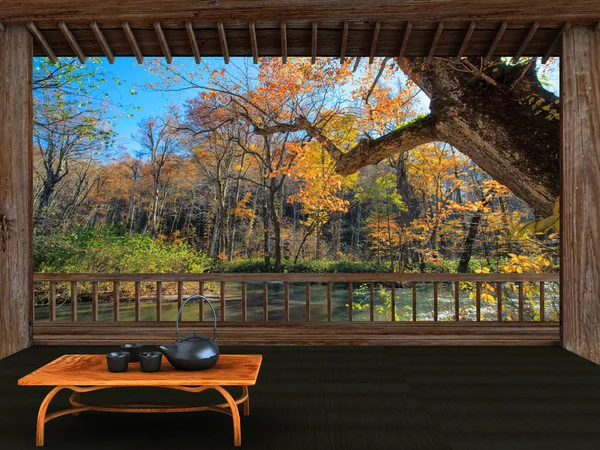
{"x":197,"y":297}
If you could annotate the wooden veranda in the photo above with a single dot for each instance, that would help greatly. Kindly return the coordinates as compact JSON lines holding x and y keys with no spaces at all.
{"x":333,"y":28}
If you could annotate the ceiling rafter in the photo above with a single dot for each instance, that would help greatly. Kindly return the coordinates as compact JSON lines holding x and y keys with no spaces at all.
{"x":436,"y":40}
{"x":313,"y":44}
{"x":103,"y":42}
{"x":562,"y":31}
{"x":526,"y":42}
{"x":344,"y":42}
{"x":466,"y":41}
{"x":283,"y":32}
{"x":253,"y":42}
{"x":374,"y":42}
{"x":497,"y":39}
{"x":223,"y":41}
{"x":135,"y":48}
{"x":164,"y":44}
{"x":193,"y":42}
{"x":42,"y":41}
{"x":405,"y":41}
{"x":72,"y":42}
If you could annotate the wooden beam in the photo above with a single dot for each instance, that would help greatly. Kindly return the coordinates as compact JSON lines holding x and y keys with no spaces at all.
{"x":466,"y":41}
{"x":283,"y":29}
{"x":72,"y":42}
{"x":16,"y":190}
{"x":344,"y":42}
{"x":356,"y":64}
{"x":1,"y":27}
{"x":313,"y":43}
{"x":193,"y":42}
{"x":103,"y":43}
{"x":563,"y":30}
{"x":42,"y":41}
{"x":526,"y":42}
{"x":404,"y":41}
{"x":253,"y":42}
{"x":494,"y":45}
{"x":223,"y":41}
{"x":374,"y":42}
{"x":434,"y":44}
{"x":244,"y":11}
{"x":580,"y":203}
{"x":162,"y":40}
{"x":135,"y":48}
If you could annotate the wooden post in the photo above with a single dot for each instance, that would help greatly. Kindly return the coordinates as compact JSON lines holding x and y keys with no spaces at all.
{"x":16,"y":203}
{"x":580,"y":204}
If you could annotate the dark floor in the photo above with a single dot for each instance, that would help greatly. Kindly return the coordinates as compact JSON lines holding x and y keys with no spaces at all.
{"x":342,"y":398}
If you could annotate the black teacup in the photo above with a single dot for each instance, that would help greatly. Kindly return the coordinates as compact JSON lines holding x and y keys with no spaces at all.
{"x":134,"y":350}
{"x":117,"y":361}
{"x":150,"y":361}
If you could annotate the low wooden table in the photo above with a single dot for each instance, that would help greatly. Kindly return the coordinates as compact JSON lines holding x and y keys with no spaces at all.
{"x":86,"y":373}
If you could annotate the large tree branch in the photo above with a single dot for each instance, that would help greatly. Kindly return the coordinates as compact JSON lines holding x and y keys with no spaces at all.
{"x":367,"y":151}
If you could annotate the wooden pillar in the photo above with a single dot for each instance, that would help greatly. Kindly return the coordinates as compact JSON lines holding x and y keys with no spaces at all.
{"x":16,"y":229}
{"x":580,"y":200}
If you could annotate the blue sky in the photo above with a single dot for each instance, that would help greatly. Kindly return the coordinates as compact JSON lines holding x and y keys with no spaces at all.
{"x":151,"y":102}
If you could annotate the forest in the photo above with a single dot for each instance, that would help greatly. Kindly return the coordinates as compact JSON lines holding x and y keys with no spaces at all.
{"x":251,"y":173}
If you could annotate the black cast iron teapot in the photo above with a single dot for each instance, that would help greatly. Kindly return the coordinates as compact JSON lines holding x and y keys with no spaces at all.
{"x":193,"y":352}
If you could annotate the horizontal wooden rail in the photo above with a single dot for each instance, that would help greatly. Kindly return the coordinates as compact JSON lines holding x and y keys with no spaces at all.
{"x":300,"y":277}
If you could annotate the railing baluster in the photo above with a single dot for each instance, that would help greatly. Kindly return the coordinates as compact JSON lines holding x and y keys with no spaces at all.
{"x":350,"y":302}
{"x":307,"y":293}
{"x":286,"y":301}
{"x":180,"y":297}
{"x":521,"y":301}
{"x":478,"y":300}
{"x":435,"y":301}
{"x":329,"y":287}
{"x":371,"y":302}
{"x":116,"y":296}
{"x":52,"y":300}
{"x":94,"y":301}
{"x":138,"y":292}
{"x":456,"y":301}
{"x":201,"y":303}
{"x":222,"y":301}
{"x":244,"y":301}
{"x":414,"y":301}
{"x":158,"y":301}
{"x":499,"y":295}
{"x":542,"y":302}
{"x":393,"y":298}
{"x":265,"y":301}
{"x":74,"y":301}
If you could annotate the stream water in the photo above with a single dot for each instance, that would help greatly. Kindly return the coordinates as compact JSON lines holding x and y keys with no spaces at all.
{"x":318,"y":304}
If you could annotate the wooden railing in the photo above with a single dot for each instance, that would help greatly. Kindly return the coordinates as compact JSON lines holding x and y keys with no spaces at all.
{"x":361,"y":302}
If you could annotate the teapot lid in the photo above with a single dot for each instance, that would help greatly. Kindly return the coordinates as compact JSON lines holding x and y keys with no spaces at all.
{"x":194,"y":338}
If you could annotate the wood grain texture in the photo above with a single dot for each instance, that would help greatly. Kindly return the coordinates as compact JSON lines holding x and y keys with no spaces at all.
{"x":91,"y":370}
{"x":306,"y":333}
{"x":16,"y":203}
{"x":580,"y":203}
{"x":300,"y":277}
{"x":298,"y":38}
{"x":267,"y":10}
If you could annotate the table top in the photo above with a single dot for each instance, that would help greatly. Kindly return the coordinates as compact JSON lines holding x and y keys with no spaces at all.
{"x":91,"y":370}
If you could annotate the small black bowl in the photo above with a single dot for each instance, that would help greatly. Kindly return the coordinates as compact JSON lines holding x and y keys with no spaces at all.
{"x":150,"y":361}
{"x":134,"y":350}
{"x":117,"y":361}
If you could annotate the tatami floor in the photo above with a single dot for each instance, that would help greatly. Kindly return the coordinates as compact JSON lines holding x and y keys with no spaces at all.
{"x":341,"y":398}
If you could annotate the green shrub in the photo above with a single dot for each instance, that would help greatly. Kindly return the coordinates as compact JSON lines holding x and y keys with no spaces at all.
{"x":111,"y":250}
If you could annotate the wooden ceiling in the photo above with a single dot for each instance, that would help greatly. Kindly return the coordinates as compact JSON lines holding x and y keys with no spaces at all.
{"x":309,"y":28}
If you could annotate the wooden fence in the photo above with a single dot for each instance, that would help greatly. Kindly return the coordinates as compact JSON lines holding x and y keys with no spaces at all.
{"x":368,"y":313}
